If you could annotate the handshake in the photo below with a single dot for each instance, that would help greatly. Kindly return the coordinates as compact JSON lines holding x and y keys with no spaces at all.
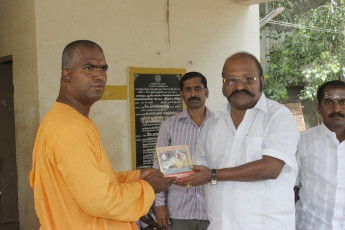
{"x":155,"y":178}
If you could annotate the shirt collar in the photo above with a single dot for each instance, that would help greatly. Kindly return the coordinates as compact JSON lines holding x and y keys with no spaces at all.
{"x":260,"y":104}
{"x":324,"y":131}
{"x":185,"y":115}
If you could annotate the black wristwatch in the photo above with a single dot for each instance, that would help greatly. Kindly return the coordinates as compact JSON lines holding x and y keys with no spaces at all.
{"x":213,"y":177}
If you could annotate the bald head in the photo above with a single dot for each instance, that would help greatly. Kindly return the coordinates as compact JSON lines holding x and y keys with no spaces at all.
{"x":243,"y":55}
{"x":69,"y":53}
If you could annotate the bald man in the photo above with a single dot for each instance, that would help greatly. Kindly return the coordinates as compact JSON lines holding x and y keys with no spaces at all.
{"x":246,"y":155}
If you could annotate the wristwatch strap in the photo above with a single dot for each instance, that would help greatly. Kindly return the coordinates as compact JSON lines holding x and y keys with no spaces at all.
{"x":213,"y":177}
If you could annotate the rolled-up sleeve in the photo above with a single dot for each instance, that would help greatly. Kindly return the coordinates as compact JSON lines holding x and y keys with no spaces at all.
{"x":282,"y":138}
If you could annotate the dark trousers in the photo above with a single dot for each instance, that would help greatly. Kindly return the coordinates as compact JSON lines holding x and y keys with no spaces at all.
{"x":178,"y":224}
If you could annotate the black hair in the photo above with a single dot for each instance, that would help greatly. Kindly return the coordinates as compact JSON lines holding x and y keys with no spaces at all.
{"x":69,"y":51}
{"x":190,"y":75}
{"x":321,"y":89}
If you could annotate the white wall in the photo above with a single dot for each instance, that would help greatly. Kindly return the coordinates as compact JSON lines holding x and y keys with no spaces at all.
{"x":134,"y":33}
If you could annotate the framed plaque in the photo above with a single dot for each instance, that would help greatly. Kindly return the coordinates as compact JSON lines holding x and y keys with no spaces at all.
{"x":154,"y":96}
{"x":174,"y":161}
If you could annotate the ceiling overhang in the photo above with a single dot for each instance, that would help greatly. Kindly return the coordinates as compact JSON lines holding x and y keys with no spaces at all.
{"x":251,"y":2}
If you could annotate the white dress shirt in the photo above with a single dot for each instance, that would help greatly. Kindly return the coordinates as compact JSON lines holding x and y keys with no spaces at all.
{"x":321,"y":160}
{"x":267,"y":129}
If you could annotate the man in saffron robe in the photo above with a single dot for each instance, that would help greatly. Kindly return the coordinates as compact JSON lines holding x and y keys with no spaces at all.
{"x":75,"y":186}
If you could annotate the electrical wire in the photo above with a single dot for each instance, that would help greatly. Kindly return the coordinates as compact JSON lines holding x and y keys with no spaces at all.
{"x":300,"y":26}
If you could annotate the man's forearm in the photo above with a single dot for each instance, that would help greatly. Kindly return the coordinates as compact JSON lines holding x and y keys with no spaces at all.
{"x":263,"y":169}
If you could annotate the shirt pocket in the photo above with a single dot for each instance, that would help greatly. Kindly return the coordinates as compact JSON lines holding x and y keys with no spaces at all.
{"x":253,"y":148}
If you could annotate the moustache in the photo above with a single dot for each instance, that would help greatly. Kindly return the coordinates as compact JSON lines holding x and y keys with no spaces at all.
{"x":240,"y":91}
{"x":338,"y":114}
{"x":194,"y":98}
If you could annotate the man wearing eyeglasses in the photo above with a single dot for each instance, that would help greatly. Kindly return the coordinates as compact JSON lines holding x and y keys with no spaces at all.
{"x":247,"y":153}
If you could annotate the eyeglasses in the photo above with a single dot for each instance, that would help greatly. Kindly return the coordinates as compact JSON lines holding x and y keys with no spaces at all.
{"x":246,"y":80}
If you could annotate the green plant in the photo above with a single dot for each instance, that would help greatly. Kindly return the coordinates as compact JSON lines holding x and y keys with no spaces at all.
{"x":308,"y":55}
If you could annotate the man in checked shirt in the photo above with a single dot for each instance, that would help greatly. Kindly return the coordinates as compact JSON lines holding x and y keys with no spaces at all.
{"x":183,"y":208}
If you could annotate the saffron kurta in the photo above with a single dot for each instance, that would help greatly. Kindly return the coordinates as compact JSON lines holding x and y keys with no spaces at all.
{"x":75,"y":186}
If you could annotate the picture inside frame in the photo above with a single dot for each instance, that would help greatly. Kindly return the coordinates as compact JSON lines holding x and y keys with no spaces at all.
{"x":174,"y":161}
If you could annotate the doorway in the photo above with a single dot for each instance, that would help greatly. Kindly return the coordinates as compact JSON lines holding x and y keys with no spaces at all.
{"x":9,"y":217}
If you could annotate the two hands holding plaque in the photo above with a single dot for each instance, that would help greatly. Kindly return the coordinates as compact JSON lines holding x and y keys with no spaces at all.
{"x":175,"y":161}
